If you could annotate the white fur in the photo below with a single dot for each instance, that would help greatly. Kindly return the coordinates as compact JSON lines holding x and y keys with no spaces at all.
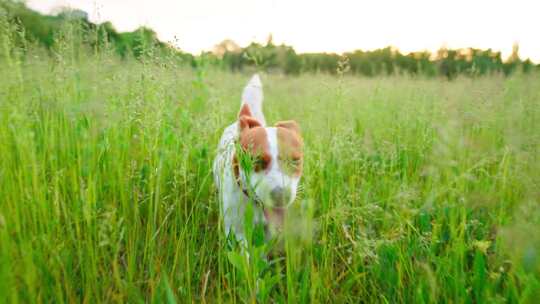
{"x":232,"y":199}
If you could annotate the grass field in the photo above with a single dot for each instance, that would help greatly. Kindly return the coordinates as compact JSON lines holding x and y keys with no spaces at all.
{"x":414,"y":190}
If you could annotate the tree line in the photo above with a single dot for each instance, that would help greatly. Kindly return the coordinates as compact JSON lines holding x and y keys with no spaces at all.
{"x":449,"y":63}
{"x":386,"y":61}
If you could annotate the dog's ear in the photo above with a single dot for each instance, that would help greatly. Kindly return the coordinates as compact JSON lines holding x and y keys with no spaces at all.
{"x":245,"y":111}
{"x":289,"y":125}
{"x":246,"y":120}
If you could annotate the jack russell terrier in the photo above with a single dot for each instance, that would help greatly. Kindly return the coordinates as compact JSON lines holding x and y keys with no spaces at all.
{"x":258,"y":165}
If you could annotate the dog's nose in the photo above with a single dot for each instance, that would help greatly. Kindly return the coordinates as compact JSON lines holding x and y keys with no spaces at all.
{"x":280,"y":195}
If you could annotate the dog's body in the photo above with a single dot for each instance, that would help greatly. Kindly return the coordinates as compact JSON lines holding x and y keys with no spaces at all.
{"x":270,"y":185}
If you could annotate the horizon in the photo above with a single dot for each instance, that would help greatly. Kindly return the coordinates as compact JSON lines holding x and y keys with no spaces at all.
{"x":413,"y":27}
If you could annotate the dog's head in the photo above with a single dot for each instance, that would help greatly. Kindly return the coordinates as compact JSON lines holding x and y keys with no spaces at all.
{"x":274,"y":162}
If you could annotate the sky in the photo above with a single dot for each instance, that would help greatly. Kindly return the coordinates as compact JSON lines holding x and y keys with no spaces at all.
{"x":326,"y":26}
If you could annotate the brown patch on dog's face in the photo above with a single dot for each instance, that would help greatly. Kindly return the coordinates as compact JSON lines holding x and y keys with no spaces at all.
{"x":291,"y":154}
{"x":254,"y":140}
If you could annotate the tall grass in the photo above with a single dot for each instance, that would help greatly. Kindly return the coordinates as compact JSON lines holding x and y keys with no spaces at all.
{"x":414,"y":190}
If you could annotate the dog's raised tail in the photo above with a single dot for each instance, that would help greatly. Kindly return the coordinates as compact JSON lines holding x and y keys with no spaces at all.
{"x":253,"y":97}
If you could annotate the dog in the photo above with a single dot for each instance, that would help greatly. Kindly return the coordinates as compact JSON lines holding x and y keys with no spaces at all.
{"x":269,"y":178}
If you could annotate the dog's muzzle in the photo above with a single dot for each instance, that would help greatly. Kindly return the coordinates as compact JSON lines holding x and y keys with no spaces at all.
{"x":280,"y":196}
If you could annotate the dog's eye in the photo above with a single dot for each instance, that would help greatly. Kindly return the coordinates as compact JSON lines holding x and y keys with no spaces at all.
{"x":295,"y":163}
{"x":292,"y":165}
{"x":261,"y":163}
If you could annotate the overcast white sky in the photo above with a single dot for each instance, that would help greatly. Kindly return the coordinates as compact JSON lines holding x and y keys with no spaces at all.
{"x":326,"y":26}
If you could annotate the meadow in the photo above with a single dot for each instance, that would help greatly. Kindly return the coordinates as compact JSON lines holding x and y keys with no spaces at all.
{"x":414,"y":190}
